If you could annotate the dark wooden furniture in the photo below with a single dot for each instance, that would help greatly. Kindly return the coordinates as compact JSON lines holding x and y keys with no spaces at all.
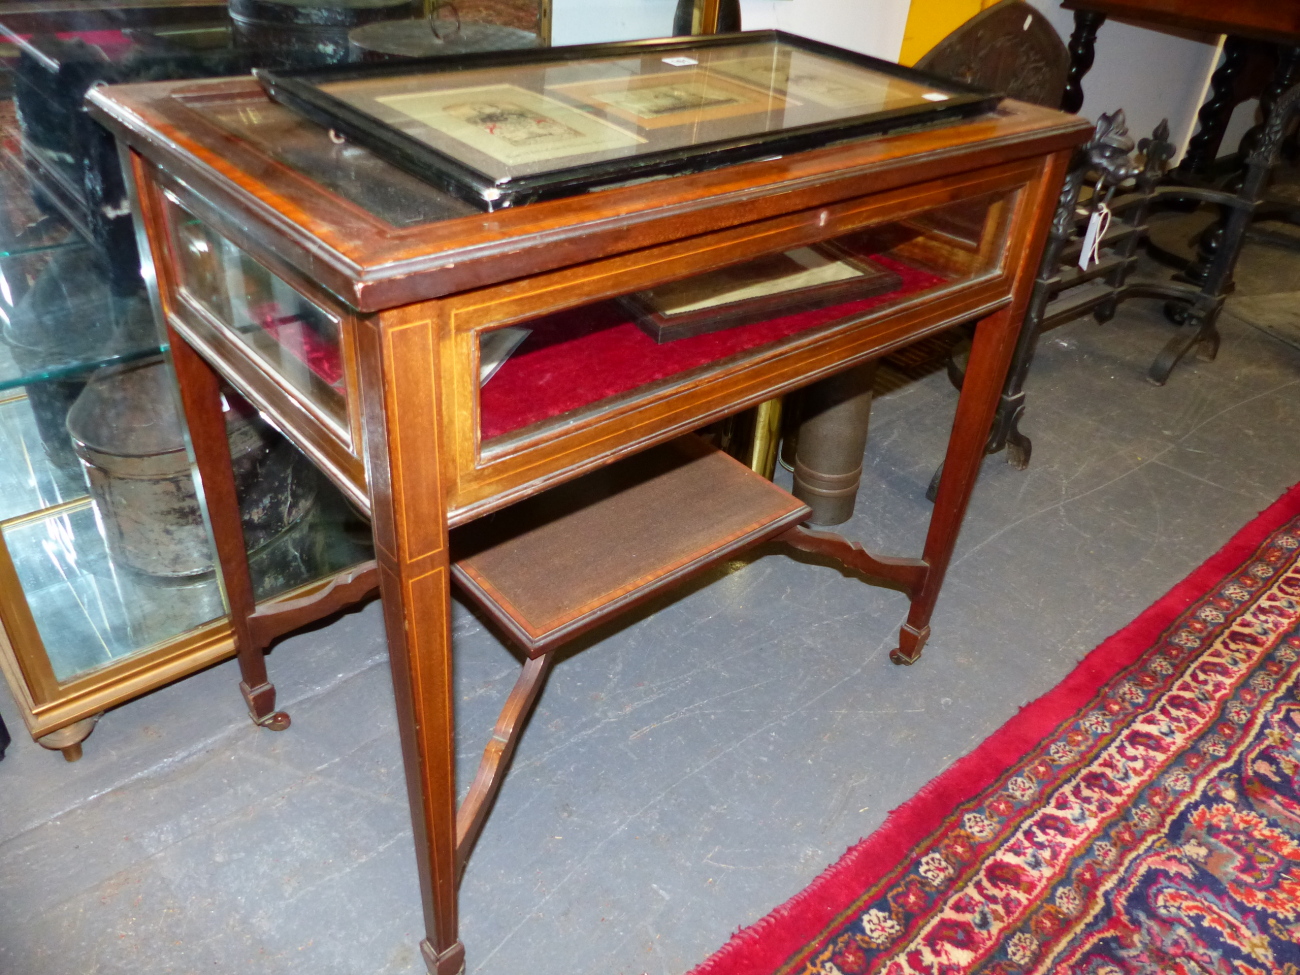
{"x":1261,"y":20}
{"x":379,"y":383}
{"x":1008,"y":47}
{"x":1063,"y":291}
{"x":1258,"y":31}
{"x":1264,"y":20}
{"x":1242,"y":20}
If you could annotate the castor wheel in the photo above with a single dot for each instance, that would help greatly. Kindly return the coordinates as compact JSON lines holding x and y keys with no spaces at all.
{"x":279,"y":721}
{"x":911,"y":642}
{"x":260,"y":700}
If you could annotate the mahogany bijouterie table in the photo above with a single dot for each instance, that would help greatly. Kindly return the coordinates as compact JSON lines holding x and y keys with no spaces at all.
{"x":348,"y":300}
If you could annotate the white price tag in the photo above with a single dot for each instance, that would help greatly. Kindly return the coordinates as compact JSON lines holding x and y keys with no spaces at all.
{"x":1097,"y":226}
{"x":680,"y":62}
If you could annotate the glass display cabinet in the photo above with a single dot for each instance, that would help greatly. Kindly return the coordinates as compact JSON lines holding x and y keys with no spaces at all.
{"x":510,"y":395}
{"x":108,"y":580}
{"x":106,"y":591}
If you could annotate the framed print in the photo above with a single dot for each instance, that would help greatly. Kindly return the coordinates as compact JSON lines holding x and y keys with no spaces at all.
{"x":677,"y":98}
{"x":505,"y":128}
{"x":512,"y":125}
{"x":803,"y":279}
{"x":821,"y":82}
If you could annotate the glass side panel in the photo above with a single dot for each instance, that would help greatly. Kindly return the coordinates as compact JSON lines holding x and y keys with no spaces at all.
{"x":24,"y":225}
{"x":331,"y":538}
{"x":537,"y":374}
{"x":61,"y":317}
{"x":92,"y":610}
{"x":89,"y":611}
{"x":297,"y":526}
{"x":298,"y":340}
{"x":34,"y":473}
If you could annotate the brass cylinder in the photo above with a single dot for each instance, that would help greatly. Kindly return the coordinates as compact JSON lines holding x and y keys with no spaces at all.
{"x":767,"y":437}
{"x":831,"y":441}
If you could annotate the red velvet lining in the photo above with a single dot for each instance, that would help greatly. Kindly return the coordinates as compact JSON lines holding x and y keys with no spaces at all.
{"x":110,"y":41}
{"x":583,"y":355}
{"x":99,"y":38}
{"x":771,"y":942}
{"x":300,"y":340}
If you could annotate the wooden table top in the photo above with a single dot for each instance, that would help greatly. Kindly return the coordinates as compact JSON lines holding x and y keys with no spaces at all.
{"x":1265,"y":20}
{"x":443,"y":247}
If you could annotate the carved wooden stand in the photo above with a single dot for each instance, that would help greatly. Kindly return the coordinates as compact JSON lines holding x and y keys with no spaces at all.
{"x":1212,"y":239}
{"x":1222,"y":243}
{"x":1105,"y":159}
{"x":1083,"y":50}
{"x":1213,"y":116}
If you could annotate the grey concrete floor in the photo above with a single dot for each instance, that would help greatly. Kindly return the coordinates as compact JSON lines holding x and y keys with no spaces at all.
{"x":686,"y":770}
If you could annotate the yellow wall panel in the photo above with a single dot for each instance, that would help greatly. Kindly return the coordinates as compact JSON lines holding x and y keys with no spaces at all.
{"x":930,"y":21}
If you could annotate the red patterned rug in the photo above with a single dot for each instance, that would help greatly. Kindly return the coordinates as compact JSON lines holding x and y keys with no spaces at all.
{"x":1143,"y":816}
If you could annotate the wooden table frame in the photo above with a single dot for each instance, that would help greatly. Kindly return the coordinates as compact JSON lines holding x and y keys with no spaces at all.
{"x":410,"y":297}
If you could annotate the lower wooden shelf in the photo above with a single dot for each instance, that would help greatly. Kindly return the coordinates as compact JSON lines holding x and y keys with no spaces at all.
{"x":559,"y":563}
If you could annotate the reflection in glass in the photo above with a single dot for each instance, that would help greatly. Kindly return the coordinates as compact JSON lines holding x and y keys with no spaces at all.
{"x":343,"y":168}
{"x":88,"y":611}
{"x":91,"y":611}
{"x":59,"y":320}
{"x":600,"y":21}
{"x":462,"y":27}
{"x":60,"y":316}
{"x":29,"y":481}
{"x":299,"y":341}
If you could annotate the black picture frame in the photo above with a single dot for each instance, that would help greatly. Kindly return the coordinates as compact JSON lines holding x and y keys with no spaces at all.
{"x":300,"y":90}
